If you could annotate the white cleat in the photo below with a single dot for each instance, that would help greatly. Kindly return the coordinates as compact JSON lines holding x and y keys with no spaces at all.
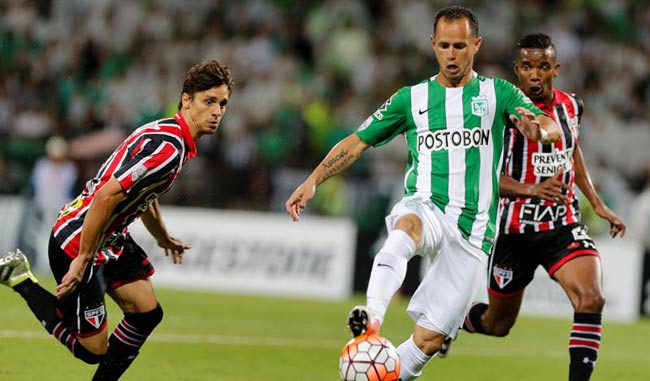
{"x":14,"y":269}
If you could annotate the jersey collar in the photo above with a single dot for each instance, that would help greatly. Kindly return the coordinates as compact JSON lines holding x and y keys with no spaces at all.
{"x":548,"y":108}
{"x":187,"y":135}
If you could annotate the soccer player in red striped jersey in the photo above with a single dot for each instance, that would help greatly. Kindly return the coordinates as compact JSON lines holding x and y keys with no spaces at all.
{"x":91,"y":252}
{"x":540,"y":218}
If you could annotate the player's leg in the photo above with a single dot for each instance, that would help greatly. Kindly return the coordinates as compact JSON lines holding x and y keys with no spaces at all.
{"x":390,"y":264}
{"x":53,"y":314}
{"x":510,"y":269}
{"x":142,"y":313}
{"x":416,"y":352}
{"x":440,"y":303}
{"x":131,"y":288}
{"x":405,"y":230}
{"x":580,"y":275}
{"x":495,"y":318}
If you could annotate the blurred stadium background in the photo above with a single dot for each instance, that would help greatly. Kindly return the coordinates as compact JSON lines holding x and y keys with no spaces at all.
{"x":307,"y":73}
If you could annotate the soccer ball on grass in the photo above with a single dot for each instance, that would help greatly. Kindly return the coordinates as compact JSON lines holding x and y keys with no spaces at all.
{"x":369,"y":358}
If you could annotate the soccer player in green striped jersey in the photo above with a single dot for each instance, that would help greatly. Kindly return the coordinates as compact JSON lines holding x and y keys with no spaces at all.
{"x":454,"y":125}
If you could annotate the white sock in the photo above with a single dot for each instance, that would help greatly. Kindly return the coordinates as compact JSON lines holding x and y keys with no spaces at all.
{"x":388,"y":271}
{"x":412,"y":360}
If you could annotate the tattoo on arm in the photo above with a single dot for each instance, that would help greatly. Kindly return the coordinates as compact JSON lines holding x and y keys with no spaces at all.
{"x":338,"y":163}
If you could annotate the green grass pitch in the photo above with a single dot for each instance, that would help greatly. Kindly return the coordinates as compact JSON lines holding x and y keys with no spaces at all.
{"x":206,"y":336}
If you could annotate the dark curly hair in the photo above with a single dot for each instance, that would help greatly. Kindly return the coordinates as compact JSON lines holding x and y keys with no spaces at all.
{"x":535,"y":41}
{"x":204,"y":76}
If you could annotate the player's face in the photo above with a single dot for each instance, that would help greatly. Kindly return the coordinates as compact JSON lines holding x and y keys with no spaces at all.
{"x":204,"y":110}
{"x":455,"y":45}
{"x":535,"y":69}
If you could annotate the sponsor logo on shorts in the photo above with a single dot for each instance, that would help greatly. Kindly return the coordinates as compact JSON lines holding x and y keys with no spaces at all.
{"x":502,"y":276}
{"x":573,"y":245}
{"x":95,"y":316}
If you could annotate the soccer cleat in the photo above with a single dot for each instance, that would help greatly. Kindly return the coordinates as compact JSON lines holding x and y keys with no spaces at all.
{"x":360,"y":321}
{"x":14,"y":269}
{"x":444,"y":349}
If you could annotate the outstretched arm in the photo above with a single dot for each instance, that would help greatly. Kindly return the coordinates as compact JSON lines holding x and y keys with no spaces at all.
{"x":340,"y":157}
{"x":583,"y":180}
{"x":153,"y":221}
{"x":540,"y":128}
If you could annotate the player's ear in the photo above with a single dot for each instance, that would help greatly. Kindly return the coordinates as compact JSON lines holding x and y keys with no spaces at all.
{"x":557,"y":70}
{"x":477,"y":43}
{"x":433,"y":41}
{"x":185,"y":99}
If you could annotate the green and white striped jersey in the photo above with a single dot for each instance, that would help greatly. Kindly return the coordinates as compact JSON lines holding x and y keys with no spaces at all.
{"x":455,"y":141}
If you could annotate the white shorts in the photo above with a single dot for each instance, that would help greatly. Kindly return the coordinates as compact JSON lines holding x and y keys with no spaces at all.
{"x":447,"y":290}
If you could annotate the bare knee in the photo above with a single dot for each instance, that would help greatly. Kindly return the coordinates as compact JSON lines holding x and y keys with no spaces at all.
{"x":590,"y":302}
{"x":499,"y":327}
{"x":97,"y":345}
{"x":429,"y":342}
{"x":411,"y":225}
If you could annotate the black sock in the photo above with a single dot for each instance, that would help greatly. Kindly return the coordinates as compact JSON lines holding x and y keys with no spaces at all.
{"x":41,"y":302}
{"x":584,"y":344}
{"x":125,"y":343}
{"x":472,"y":321}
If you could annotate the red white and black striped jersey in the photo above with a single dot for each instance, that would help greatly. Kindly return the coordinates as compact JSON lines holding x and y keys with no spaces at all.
{"x":146,"y":165}
{"x":528,"y":161}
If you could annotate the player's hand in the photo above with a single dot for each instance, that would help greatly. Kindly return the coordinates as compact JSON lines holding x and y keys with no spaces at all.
{"x":297,"y":202}
{"x":175,"y":247}
{"x":616,"y":226}
{"x":527,"y":124}
{"x":72,"y":278}
{"x":551,"y":188}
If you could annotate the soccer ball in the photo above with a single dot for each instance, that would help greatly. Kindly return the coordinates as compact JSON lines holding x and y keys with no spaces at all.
{"x":369,"y":358}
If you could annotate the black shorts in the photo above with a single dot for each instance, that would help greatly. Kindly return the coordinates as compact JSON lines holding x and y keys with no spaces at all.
{"x":84,"y":310}
{"x":516,"y":256}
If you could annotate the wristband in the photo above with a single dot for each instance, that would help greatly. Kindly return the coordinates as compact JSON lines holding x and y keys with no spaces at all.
{"x":544,"y":135}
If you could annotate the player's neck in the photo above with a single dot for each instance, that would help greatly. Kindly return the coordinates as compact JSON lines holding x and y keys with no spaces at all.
{"x":548,"y":99}
{"x":192,"y":126}
{"x":445,"y":82}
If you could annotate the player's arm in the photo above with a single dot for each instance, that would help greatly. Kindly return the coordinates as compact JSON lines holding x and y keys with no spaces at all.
{"x":100,"y":211}
{"x":583,"y":180}
{"x":152,"y":220}
{"x":549,"y":189}
{"x":540,"y":127}
{"x":340,"y":157}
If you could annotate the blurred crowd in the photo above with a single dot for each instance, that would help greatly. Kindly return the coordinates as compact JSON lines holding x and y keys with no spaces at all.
{"x":307,"y":74}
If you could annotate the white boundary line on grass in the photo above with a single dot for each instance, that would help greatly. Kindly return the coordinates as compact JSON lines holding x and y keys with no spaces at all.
{"x":491,"y":351}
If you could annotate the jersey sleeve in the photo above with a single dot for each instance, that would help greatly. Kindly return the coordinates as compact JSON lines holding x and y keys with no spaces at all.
{"x":148,"y":159}
{"x":387,"y":122}
{"x":581,"y":106}
{"x":512,"y":97}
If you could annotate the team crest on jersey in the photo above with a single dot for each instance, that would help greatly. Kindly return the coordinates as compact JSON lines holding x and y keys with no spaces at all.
{"x":480,"y":105}
{"x":502,"y":276}
{"x":138,"y":172}
{"x":95,"y":316}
